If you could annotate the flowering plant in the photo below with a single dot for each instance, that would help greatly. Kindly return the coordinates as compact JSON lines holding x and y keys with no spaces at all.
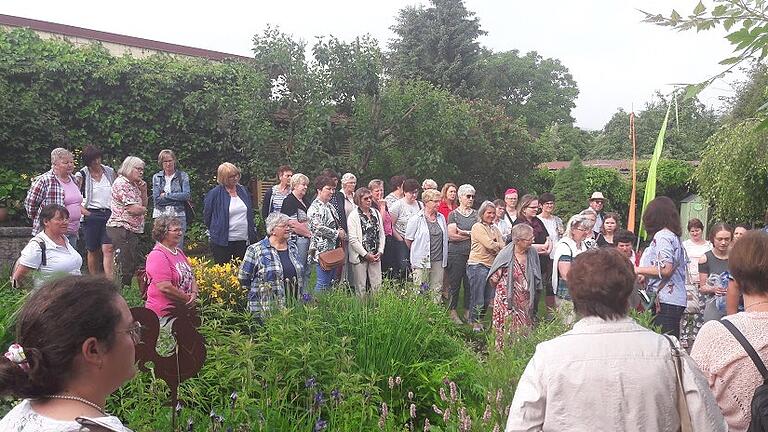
{"x":218,"y":283}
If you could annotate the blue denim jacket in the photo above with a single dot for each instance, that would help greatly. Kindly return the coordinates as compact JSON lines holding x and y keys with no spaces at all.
{"x":179,"y":194}
{"x":216,"y":214}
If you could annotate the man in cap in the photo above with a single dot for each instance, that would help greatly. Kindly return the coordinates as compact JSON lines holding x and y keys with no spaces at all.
{"x":596,"y":202}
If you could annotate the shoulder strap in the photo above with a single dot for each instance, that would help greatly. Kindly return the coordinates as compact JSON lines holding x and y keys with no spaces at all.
{"x":83,"y":176}
{"x":43,"y":260}
{"x":681,"y":402}
{"x":747,"y":347}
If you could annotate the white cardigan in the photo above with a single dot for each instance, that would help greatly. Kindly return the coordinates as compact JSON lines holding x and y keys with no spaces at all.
{"x":355,"y":228}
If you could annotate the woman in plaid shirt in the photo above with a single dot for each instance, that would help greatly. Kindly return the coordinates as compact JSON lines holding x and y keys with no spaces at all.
{"x":271,"y":268}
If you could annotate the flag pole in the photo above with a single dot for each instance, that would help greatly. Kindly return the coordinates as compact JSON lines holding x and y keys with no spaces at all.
{"x":633,"y":195}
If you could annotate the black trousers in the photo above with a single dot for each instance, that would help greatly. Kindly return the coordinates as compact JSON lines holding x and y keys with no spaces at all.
{"x":225,"y":254}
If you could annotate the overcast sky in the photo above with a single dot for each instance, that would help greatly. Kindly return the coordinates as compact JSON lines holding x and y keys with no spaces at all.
{"x":616,"y":60}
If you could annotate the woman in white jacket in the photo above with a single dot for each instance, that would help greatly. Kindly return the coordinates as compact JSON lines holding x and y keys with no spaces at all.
{"x":609,"y":373}
{"x":366,"y":242}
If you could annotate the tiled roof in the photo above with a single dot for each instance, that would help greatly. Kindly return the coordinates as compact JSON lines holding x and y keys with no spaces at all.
{"x":131,"y":41}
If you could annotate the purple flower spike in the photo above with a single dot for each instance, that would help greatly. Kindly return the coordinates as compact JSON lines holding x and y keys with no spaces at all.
{"x":310,"y":382}
{"x":336,"y":395}
{"x":319,"y":398}
{"x":320,"y":425}
{"x":306,"y":297}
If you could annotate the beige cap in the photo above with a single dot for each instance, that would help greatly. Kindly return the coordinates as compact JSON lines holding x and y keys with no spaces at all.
{"x":597,"y":196}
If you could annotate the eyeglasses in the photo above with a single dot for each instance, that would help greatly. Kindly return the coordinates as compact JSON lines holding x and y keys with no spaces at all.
{"x":139,"y":169}
{"x":548,"y":203}
{"x":470,"y":196}
{"x":177,"y":229}
{"x":436,"y":200}
{"x":168,"y":161}
{"x":367,"y":198}
{"x":135,"y":331}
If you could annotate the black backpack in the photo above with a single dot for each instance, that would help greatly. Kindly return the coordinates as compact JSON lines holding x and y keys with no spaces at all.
{"x":759,"y":406}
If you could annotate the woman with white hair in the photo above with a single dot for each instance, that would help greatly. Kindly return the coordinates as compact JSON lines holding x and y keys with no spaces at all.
{"x":271,"y":269}
{"x":348,"y":185}
{"x":129,"y":205}
{"x":57,"y":186}
{"x":426,"y":235}
{"x":486,"y":244}
{"x":516,"y":276}
{"x":460,"y":221}
{"x":170,"y":191}
{"x":570,"y":245}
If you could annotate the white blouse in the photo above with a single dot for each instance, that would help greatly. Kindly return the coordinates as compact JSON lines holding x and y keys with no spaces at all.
{"x":22,"y":418}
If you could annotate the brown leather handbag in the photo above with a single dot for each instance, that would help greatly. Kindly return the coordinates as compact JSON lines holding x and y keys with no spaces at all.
{"x":332,"y":259}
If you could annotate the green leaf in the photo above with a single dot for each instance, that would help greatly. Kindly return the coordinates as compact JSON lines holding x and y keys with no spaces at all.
{"x":730,"y":60}
{"x":674,"y":17}
{"x":728,"y":23}
{"x":719,"y":10}
{"x":699,"y":9}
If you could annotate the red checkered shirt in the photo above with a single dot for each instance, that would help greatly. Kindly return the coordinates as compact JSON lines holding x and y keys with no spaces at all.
{"x":45,"y":190}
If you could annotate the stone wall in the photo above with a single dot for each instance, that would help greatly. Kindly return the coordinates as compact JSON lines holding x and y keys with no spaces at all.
{"x":12,"y":241}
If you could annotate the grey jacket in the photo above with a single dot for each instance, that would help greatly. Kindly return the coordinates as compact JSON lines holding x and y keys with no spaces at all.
{"x":506,"y":257}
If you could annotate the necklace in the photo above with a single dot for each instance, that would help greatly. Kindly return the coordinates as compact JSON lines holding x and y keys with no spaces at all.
{"x":755,"y":304}
{"x":79,"y":399}
{"x":175,"y":251}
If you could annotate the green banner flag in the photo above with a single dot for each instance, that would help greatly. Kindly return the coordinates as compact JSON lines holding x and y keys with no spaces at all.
{"x":650,"y":183}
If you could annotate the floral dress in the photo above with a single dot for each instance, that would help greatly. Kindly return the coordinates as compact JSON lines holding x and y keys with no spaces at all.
{"x":507,"y":320}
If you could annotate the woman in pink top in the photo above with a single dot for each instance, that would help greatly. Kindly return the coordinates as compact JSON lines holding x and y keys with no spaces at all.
{"x":171,"y":279}
{"x":731,"y":374}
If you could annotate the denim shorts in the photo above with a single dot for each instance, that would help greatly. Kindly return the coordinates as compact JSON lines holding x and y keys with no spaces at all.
{"x":95,"y":229}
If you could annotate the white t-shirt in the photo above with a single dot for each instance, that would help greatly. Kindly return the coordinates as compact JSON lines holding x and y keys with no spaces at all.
{"x":566,"y":246}
{"x":238,"y":220}
{"x":22,"y":418}
{"x":695,"y":252}
{"x":59,"y":259}
{"x":101,"y":195}
{"x":553,"y":225}
{"x":401,"y":212}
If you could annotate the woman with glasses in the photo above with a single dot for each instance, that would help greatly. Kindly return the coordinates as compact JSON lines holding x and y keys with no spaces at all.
{"x":486,"y":243}
{"x":555,"y":229}
{"x":271,"y":271}
{"x":516,"y":277}
{"x":57,"y":186}
{"x":75,"y":345}
{"x":129,"y":206}
{"x":172,"y":281}
{"x":228,"y":215}
{"x":569,"y":247}
{"x":527,"y":212}
{"x":366,"y":242}
{"x":170,"y":191}
{"x":460,"y":222}
{"x":427,"y":238}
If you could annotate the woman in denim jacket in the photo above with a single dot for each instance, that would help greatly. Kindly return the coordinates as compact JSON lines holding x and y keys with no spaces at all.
{"x":170,"y":191}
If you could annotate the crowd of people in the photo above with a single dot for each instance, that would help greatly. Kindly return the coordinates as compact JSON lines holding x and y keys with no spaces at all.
{"x":510,"y":256}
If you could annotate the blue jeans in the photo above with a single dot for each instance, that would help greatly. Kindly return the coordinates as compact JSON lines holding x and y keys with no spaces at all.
{"x":325,"y":278}
{"x":668,"y":317}
{"x":479,"y":292}
{"x":302,"y":244}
